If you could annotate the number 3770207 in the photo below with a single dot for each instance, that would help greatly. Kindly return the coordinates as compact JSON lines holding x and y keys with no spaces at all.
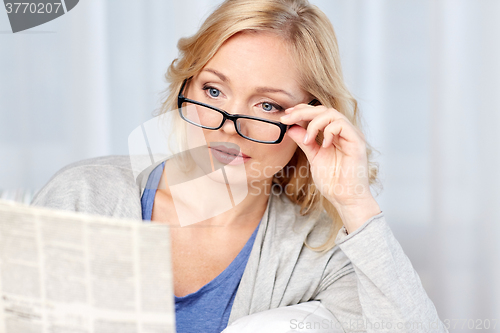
{"x":471,"y":324}
{"x":31,"y":7}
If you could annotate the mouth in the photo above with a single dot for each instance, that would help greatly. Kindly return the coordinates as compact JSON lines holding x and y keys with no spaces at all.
{"x":229,"y":156}
{"x":229,"y":151}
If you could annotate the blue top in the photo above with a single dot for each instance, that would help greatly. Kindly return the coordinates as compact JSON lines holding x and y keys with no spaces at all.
{"x":207,"y":309}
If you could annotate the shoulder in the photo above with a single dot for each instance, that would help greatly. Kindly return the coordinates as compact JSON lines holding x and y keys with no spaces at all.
{"x":113,"y":161}
{"x":103,"y":185}
{"x":299,"y":273}
{"x":96,"y":170}
{"x":289,"y":223}
{"x":297,"y":233}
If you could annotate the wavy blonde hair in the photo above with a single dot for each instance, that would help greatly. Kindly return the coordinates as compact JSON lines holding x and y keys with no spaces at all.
{"x":313,"y":45}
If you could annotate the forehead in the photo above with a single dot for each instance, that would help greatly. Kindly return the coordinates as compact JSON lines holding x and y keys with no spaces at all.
{"x":253,"y":58}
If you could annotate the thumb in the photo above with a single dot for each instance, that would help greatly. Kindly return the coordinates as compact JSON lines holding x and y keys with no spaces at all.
{"x":297,"y":134}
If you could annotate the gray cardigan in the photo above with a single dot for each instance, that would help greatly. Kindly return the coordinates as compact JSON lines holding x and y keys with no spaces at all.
{"x":366,"y":281}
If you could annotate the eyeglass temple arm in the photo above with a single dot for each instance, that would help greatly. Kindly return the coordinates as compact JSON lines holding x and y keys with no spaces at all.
{"x":181,"y":91}
{"x":313,"y":102}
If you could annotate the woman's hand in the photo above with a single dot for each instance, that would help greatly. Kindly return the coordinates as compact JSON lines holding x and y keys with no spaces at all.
{"x":339,"y":166}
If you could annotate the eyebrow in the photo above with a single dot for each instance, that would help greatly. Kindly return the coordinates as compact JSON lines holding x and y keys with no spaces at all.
{"x":273,"y":90}
{"x":259,"y":90}
{"x":219,"y":74}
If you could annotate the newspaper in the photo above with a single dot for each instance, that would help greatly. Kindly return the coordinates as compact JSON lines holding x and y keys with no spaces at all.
{"x":69,"y":272}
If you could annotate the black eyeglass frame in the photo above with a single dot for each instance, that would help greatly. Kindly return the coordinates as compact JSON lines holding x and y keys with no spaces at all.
{"x":233,"y":117}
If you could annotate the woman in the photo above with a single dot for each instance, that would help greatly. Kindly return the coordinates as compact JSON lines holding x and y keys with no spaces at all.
{"x":322,"y":238}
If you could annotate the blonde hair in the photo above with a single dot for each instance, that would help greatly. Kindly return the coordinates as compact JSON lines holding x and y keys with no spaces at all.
{"x":311,"y":40}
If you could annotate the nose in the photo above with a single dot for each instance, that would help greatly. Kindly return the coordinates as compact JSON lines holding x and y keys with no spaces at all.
{"x":229,"y":126}
{"x":235,"y":107}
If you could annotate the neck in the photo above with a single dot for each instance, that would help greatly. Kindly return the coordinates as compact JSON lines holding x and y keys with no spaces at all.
{"x":208,"y":197}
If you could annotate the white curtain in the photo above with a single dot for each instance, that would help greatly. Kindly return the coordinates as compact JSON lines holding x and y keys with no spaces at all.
{"x":426,"y":74}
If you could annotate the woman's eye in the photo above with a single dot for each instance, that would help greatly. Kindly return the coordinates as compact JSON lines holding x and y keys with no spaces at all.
{"x":270,"y":107}
{"x":267,"y":106}
{"x":214,"y":92}
{"x":211,"y":91}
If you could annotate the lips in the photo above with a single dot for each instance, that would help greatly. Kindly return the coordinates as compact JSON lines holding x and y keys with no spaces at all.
{"x":229,"y":151}
{"x":228,"y":156}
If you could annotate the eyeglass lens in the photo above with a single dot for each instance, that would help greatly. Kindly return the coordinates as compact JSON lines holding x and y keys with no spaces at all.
{"x":250,"y":128}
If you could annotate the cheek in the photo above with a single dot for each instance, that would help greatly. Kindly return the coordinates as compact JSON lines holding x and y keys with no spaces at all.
{"x":271,"y":159}
{"x":283,"y":152}
{"x":195,"y":136}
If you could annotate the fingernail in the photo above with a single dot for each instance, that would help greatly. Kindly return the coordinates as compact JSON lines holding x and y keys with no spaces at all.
{"x":324,"y":143}
{"x":305,"y":139}
{"x":286,"y":117}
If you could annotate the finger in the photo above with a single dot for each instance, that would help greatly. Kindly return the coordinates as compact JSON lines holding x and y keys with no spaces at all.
{"x":297,"y":133}
{"x":338,"y":131}
{"x":345,"y":129}
{"x":308,"y":113}
{"x":304,"y":112}
{"x":317,"y":124}
{"x":298,"y":106}
{"x":297,"y":117}
{"x":287,"y":119}
{"x":329,"y":134}
{"x":299,"y":111}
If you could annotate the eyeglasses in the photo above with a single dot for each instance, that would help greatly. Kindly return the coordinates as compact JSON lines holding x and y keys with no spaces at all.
{"x":209,"y":117}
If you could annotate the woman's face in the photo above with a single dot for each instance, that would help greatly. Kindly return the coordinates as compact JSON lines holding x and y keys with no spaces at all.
{"x":251,"y":74}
